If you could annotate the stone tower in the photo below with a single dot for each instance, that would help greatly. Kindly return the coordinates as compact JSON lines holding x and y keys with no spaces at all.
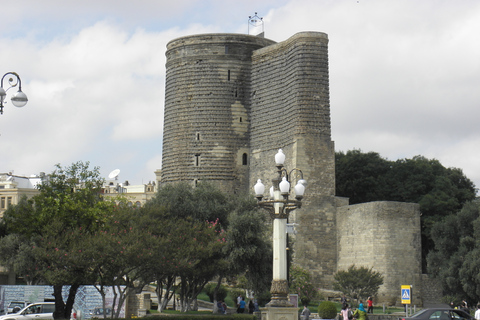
{"x":232,"y":100}
{"x":207,"y":107}
{"x":291,"y":110}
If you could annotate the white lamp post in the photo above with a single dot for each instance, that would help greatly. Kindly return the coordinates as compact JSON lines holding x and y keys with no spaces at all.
{"x":19,"y":99}
{"x":279,"y":206}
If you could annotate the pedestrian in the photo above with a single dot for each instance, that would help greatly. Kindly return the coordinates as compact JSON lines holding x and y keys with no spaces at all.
{"x":224,"y":306}
{"x":220,"y":307}
{"x":344,"y":300}
{"x":464,"y":307}
{"x":251,"y":307}
{"x":305,"y":313}
{"x":241,"y":306}
{"x":239,"y":298}
{"x":477,"y":313}
{"x":345,"y":311}
{"x":360,"y":313}
{"x":369,"y":305}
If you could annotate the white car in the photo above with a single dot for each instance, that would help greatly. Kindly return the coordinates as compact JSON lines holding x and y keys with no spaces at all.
{"x":37,"y":311}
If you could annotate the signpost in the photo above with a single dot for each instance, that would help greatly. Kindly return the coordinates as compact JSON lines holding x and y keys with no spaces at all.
{"x":406,"y":295}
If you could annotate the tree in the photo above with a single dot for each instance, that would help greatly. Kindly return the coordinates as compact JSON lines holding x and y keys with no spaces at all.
{"x":439,"y":191}
{"x":456,"y":254}
{"x":301,"y":284}
{"x":193,"y":219}
{"x":249,"y":247}
{"x":358,"y":283}
{"x":46,"y":226}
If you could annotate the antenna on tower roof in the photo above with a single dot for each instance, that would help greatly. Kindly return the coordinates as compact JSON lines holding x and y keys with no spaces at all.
{"x":255,"y":26}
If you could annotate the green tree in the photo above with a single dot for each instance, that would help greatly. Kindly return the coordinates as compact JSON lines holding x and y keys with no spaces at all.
{"x":439,"y":191}
{"x":69,"y":199}
{"x":193,"y":220}
{"x":454,"y":260}
{"x":301,"y":284}
{"x":249,"y":248}
{"x":358,"y":283}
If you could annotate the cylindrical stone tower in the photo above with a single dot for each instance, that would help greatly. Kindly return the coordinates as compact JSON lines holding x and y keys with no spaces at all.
{"x":207,"y":109}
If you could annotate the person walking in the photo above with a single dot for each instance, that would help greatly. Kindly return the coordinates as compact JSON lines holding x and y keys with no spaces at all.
{"x":360,"y":313}
{"x":241,"y":306}
{"x":345,"y":312}
{"x":305,"y":313}
{"x":369,"y":305}
{"x":477,"y":312}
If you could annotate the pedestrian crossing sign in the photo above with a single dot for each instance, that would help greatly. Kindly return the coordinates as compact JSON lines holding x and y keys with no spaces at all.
{"x":406,"y":294}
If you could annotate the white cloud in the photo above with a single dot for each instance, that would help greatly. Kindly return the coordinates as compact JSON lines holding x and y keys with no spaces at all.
{"x":404,"y":76}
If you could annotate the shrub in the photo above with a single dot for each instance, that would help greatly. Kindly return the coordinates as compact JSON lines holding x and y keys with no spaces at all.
{"x":221,"y":293}
{"x":327,"y":310}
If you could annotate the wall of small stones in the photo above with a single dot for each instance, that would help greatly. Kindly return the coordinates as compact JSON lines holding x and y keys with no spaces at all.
{"x":385,"y":236}
{"x":291,"y":110}
{"x":232,"y":101}
{"x":207,"y":103}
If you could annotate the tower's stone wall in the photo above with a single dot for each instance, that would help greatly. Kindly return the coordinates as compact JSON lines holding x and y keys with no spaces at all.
{"x":291,"y":110}
{"x":207,"y":102}
{"x":385,"y":236}
{"x":232,"y":101}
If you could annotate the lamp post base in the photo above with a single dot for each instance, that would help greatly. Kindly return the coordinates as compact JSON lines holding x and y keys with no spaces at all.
{"x":279,"y":291}
{"x":274,"y":313}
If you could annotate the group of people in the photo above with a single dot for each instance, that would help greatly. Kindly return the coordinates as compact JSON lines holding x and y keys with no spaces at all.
{"x":242,"y":305}
{"x":346,"y":312}
{"x":360,"y":313}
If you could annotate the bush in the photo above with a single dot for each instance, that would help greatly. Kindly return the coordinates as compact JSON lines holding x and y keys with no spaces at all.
{"x":327,"y":310}
{"x":221,"y":293}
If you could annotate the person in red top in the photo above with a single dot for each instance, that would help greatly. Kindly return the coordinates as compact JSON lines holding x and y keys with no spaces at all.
{"x":370,"y":305}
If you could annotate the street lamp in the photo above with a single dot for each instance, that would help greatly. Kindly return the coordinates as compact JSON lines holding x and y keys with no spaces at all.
{"x":279,"y":206}
{"x":19,"y":99}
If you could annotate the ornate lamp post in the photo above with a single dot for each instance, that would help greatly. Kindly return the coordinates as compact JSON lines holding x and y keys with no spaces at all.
{"x":19,"y":99}
{"x":279,"y":206}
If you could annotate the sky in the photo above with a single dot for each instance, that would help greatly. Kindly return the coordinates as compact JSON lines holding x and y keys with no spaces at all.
{"x":404,"y":76}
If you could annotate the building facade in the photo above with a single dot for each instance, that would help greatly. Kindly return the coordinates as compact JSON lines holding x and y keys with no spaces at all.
{"x":232,"y":101}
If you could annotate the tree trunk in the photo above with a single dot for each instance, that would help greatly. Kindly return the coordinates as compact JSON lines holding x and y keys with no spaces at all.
{"x":70,"y":301}
{"x":59,"y":305}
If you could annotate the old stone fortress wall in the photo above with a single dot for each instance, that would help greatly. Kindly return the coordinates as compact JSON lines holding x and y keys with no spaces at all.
{"x":232,"y":100}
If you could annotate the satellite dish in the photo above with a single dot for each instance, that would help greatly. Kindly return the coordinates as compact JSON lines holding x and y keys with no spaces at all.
{"x":114,"y":174}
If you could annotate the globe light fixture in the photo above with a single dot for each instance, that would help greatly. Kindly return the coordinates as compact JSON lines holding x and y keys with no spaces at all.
{"x":19,"y":99}
{"x":279,"y":206}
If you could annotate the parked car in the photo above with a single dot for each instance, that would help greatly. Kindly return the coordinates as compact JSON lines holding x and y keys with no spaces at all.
{"x":97,"y":312}
{"x":440,"y":314}
{"x":37,"y":311}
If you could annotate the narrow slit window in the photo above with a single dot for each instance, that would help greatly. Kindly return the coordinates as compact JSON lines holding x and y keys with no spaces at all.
{"x":244,"y":159}
{"x":226,"y":49}
{"x":197,"y":160}
{"x":228,"y":75}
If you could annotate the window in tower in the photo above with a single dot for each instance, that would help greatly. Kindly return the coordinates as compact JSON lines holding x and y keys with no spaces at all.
{"x":244,"y":159}
{"x":228,"y":75}
{"x":197,"y":160}
{"x":197,"y":136}
{"x":226,"y":49}
{"x":240,"y":119}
